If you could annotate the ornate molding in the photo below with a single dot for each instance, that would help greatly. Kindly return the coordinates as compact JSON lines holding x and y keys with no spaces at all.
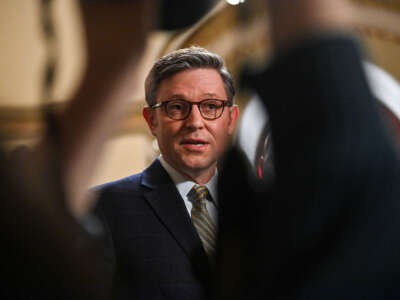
{"x":388,"y":4}
{"x":19,"y":123}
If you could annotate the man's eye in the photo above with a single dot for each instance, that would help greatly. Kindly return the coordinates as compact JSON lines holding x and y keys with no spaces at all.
{"x":212,"y":105}
{"x":175,"y":106}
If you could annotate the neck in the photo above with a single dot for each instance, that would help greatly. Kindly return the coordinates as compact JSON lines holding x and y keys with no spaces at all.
{"x":199,"y":177}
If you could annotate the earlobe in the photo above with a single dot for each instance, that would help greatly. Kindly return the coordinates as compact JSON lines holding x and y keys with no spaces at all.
{"x":148,"y":115}
{"x":233,"y":115}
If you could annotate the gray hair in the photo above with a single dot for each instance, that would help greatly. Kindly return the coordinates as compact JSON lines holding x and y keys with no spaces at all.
{"x":186,"y":59}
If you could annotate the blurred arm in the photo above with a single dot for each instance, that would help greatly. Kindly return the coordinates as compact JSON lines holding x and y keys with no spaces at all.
{"x":116,"y":37}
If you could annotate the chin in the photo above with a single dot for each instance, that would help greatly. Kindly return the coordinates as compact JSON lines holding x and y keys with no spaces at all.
{"x":194,"y":165}
{"x":197,"y":164}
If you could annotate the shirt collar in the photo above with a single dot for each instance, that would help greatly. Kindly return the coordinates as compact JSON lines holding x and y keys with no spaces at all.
{"x":184,"y":184}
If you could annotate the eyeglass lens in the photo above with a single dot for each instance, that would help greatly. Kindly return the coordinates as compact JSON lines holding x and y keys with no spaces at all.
{"x":209,"y":109}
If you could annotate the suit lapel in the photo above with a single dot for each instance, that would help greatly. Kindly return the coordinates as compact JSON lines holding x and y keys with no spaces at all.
{"x":168,"y":205}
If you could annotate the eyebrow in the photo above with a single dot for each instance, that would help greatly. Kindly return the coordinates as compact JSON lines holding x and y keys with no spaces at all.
{"x":210,"y":95}
{"x":183,"y":97}
{"x":176,"y":96}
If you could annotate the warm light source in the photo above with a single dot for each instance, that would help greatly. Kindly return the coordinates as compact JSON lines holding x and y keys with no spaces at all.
{"x":235,"y":2}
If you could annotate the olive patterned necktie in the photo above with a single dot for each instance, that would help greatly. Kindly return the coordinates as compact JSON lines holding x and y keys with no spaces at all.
{"x":202,"y":220}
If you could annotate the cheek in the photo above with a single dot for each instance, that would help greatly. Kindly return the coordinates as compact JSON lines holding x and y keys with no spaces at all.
{"x":220,"y":134}
{"x":167,"y":132}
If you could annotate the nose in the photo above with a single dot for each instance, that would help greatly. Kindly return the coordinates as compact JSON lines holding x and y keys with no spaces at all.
{"x":194,"y":120}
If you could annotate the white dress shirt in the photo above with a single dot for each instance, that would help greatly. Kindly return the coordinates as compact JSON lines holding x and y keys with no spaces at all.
{"x":184,"y":185}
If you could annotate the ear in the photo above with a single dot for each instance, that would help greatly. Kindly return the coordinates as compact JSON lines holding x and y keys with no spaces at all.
{"x":151,"y":119}
{"x":233,"y":116}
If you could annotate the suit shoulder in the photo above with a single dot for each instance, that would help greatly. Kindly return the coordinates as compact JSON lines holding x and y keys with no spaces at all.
{"x":128,"y":191}
{"x":118,"y":190}
{"x":120,"y":184}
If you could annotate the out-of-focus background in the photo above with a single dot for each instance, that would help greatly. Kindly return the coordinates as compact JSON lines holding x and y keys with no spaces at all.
{"x":237,"y":30}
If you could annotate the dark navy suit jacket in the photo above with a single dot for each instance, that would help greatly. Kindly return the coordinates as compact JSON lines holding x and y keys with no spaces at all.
{"x":153,"y":246}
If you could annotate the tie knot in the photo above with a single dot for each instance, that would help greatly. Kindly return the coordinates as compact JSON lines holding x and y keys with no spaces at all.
{"x":200,"y":194}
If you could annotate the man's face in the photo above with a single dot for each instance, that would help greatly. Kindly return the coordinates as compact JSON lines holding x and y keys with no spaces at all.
{"x":192,"y":146}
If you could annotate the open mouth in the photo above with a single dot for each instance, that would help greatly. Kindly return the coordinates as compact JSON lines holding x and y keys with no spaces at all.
{"x":194,"y":143}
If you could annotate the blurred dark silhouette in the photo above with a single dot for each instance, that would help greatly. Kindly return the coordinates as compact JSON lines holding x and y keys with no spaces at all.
{"x":328,"y":226}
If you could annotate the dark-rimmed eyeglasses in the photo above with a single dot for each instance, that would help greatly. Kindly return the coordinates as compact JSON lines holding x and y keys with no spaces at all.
{"x":179,"y":109}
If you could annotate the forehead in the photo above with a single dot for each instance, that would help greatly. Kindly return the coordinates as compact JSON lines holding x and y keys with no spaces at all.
{"x":193,"y":84}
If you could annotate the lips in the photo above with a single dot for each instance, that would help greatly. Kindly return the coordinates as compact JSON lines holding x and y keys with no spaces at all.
{"x":194,"y":144}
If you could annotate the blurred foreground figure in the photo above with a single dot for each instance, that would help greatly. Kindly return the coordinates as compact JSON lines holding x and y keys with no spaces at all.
{"x":47,"y":252}
{"x":329,"y":225}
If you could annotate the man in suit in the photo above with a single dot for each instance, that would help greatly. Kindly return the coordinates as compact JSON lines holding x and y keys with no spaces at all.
{"x":162,"y":239}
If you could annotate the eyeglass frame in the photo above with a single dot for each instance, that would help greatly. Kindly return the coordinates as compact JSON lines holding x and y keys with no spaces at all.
{"x":163,"y":104}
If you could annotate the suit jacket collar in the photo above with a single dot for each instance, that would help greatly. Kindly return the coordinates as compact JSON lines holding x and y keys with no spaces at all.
{"x":168,"y":205}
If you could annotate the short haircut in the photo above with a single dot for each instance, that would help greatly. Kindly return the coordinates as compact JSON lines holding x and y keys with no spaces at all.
{"x":186,"y":59}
